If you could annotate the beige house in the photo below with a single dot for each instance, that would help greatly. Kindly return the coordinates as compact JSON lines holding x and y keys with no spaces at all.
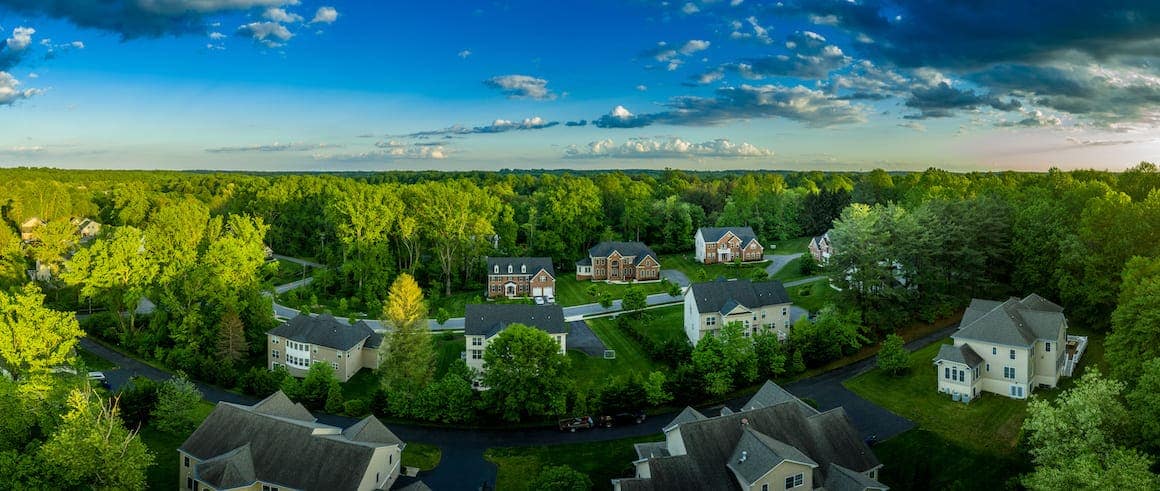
{"x":305,"y":339}
{"x":726,"y":244}
{"x":619,"y":262}
{"x":1006,"y":348}
{"x":776,"y":442}
{"x":86,"y":228}
{"x":28,"y":229}
{"x":278,"y":444}
{"x":484,"y":321}
{"x":758,"y":307}
{"x":513,"y":277}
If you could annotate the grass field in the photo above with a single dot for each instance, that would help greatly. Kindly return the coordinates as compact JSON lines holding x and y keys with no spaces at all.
{"x":601,"y":461}
{"x":789,"y":246}
{"x":589,"y":372}
{"x":812,"y":296}
{"x":163,"y":473}
{"x":698,"y":272}
{"x":455,"y":304}
{"x":921,"y":459}
{"x":571,"y":292}
{"x":421,"y":455}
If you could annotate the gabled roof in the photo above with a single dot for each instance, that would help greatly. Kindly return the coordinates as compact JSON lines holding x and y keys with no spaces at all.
{"x":584,"y":262}
{"x":375,"y":340}
{"x":959,"y":354}
{"x":233,"y":469}
{"x":688,"y":415}
{"x":714,"y":234}
{"x":489,"y":319}
{"x":1014,"y":322}
{"x":842,"y":479}
{"x":648,"y":450}
{"x":282,"y":447}
{"x":325,"y":330}
{"x":533,"y":264}
{"x":371,"y":430}
{"x":277,"y":404}
{"x":713,"y":296}
{"x":637,"y":249}
{"x":756,"y":454}
{"x":772,"y":394}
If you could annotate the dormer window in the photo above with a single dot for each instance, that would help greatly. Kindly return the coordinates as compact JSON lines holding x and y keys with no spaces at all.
{"x":509,"y":269}
{"x":523,"y":268}
{"x":496,"y":270}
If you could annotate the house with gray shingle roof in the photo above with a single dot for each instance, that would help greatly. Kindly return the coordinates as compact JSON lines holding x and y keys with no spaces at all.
{"x":821,"y":248}
{"x":725,"y":244}
{"x":759,"y":448}
{"x":1004,"y":347}
{"x":278,"y":444}
{"x":619,"y":262}
{"x":485,"y":321}
{"x":513,"y":277}
{"x":758,"y":306}
{"x":306,"y":339}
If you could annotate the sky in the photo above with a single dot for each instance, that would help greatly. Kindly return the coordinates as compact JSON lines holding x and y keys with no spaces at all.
{"x":299,"y":85}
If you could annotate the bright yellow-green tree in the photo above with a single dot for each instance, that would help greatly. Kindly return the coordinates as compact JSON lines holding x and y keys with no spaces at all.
{"x":408,"y":353}
{"x":33,"y":338}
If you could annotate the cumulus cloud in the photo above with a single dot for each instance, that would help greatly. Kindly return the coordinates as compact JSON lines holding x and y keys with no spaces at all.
{"x":139,"y":18}
{"x":270,"y":34}
{"x":943,"y":100}
{"x":388,"y":151}
{"x":16,"y":47}
{"x":274,"y":147}
{"x":10,"y":91}
{"x":497,"y":126}
{"x":582,"y":122}
{"x":275,"y":14}
{"x":690,"y":8}
{"x":1033,"y":119}
{"x":756,"y":31}
{"x":522,"y":87}
{"x":1100,"y":94}
{"x":810,"y":107}
{"x":642,"y":88}
{"x":919,"y":127}
{"x":325,"y":15}
{"x":464,"y":54}
{"x":694,"y":45}
{"x":671,"y":147}
{"x":621,"y":117}
{"x":810,"y":56}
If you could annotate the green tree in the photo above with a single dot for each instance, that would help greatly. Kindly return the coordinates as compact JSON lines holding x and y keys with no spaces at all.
{"x":33,"y":338}
{"x":725,"y":358}
{"x":560,"y":478}
{"x":525,"y":373}
{"x":316,"y":386}
{"x":1079,"y":441}
{"x":1135,"y":336}
{"x":115,"y":270}
{"x":176,"y":410}
{"x":1144,"y":400}
{"x":654,"y":388}
{"x":334,"y":400}
{"x":604,"y":299}
{"x":12,"y":264}
{"x":408,"y":352}
{"x":771,"y":355}
{"x":892,"y":355}
{"x":634,"y":299}
{"x":231,"y":342}
{"x":92,"y":448}
{"x":53,"y":241}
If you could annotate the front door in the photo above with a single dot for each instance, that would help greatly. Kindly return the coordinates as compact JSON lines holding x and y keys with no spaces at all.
{"x":510,"y":289}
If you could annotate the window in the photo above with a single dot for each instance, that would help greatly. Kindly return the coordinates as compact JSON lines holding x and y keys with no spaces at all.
{"x":1016,"y":391}
{"x":186,"y":461}
{"x":763,"y":314}
{"x":390,"y":459}
{"x":711,"y":320}
{"x":1049,"y":346}
{"x":477,"y":341}
{"x":988,"y":367}
{"x":794,"y":481}
{"x":1008,"y":372}
{"x":994,"y":350}
{"x":377,"y":478}
{"x":334,"y":364}
{"x":189,"y":483}
{"x":496,"y":269}
{"x":274,"y":340}
{"x":274,"y":354}
{"x":947,"y":372}
{"x":476,"y":354}
{"x":523,"y":268}
{"x":764,"y":487}
{"x":962,"y":376}
{"x":509,"y":269}
{"x":785,"y":311}
{"x":1012,"y":354}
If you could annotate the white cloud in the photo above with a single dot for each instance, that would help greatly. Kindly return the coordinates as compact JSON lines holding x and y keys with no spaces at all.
{"x":271,"y":34}
{"x":280,"y":15}
{"x":325,"y":15}
{"x":216,"y":36}
{"x":690,"y":8}
{"x":642,"y":87}
{"x":522,"y":87}
{"x":694,"y":45}
{"x":670,"y":147}
{"x":21,"y":38}
{"x":464,"y":54}
{"x":919,"y":127}
{"x":274,"y":147}
{"x":734,"y":3}
{"x":674,"y":64}
{"x":10,"y":91}
{"x":390,"y":151}
{"x":759,"y":34}
{"x":824,"y":20}
{"x":77,"y":44}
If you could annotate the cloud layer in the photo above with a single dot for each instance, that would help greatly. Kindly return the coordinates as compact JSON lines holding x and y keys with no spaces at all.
{"x":671,"y":147}
{"x":521,"y":87}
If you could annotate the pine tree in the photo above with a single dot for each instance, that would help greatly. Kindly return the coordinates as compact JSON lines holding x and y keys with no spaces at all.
{"x":231,"y":343}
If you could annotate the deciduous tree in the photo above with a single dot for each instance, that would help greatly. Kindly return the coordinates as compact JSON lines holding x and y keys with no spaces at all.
{"x":176,"y":410}
{"x":33,"y":338}
{"x":525,"y":373}
{"x":892,"y":355}
{"x":408,"y":352}
{"x":92,"y":448}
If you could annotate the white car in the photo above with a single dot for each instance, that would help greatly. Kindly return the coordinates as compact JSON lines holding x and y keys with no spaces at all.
{"x":539,"y":300}
{"x":99,"y":377}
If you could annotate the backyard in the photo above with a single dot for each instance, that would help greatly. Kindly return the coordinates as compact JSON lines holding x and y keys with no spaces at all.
{"x":812,"y":296}
{"x":600,"y":461}
{"x":421,"y":455}
{"x":570,"y":291}
{"x":698,"y":272}
{"x":163,"y":474}
{"x":590,"y":372}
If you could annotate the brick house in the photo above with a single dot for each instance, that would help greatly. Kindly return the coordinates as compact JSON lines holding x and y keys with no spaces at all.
{"x":725,"y":244}
{"x":513,"y":277}
{"x":307,"y":339}
{"x":619,"y":262}
{"x":821,"y":248}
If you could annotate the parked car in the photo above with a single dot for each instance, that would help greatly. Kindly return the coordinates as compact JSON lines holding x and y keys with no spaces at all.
{"x":99,"y":377}
{"x":539,"y":300}
{"x":622,"y":419}
{"x":580,"y":423}
{"x":551,"y":299}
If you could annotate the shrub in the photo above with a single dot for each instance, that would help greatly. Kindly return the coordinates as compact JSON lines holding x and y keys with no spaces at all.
{"x":892,"y":356}
{"x":356,"y":408}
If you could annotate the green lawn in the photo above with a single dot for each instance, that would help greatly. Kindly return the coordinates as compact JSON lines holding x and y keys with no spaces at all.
{"x":698,"y":272}
{"x":589,"y":372}
{"x":989,"y":424}
{"x":789,"y":246}
{"x":601,"y":461}
{"x":447,"y":350}
{"x":921,"y":459}
{"x":571,"y":292}
{"x":163,"y":474}
{"x":456,"y":303}
{"x":360,"y":386}
{"x":812,"y":296}
{"x":94,"y":363}
{"x":421,"y":455}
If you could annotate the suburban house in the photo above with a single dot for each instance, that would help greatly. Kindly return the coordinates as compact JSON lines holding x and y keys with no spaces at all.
{"x":1007,"y":348}
{"x":726,"y":244}
{"x":306,"y":339}
{"x":28,"y":229}
{"x":821,"y":248}
{"x":86,"y":228}
{"x":759,"y":307}
{"x":520,"y":277}
{"x":619,"y":262}
{"x":484,"y":321}
{"x":278,"y":444}
{"x":775,"y":442}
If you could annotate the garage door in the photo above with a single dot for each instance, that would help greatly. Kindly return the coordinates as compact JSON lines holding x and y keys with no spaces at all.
{"x":548,"y":291}
{"x":537,"y":292}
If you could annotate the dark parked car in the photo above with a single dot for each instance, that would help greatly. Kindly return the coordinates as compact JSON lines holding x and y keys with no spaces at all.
{"x":622,"y":419}
{"x":580,"y":423}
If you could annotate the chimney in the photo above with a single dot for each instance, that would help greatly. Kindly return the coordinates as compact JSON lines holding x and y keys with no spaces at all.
{"x":744,"y":455}
{"x":744,"y":421}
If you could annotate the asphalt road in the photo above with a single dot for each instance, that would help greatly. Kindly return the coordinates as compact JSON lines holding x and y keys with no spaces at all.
{"x":778,"y":261}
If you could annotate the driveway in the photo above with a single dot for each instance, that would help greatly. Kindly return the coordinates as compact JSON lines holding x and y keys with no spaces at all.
{"x":676,"y":276}
{"x":778,"y":261}
{"x":581,"y":338}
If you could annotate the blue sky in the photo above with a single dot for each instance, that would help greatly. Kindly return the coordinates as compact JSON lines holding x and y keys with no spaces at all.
{"x":833,"y":85}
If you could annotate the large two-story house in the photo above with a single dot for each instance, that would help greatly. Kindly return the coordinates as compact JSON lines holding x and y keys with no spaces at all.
{"x":1008,"y":348}
{"x":619,"y":262}
{"x":306,"y":339}
{"x":821,"y":248}
{"x":758,"y":307}
{"x":775,"y":442}
{"x":484,"y":322}
{"x":278,"y":444}
{"x":726,"y":244}
{"x":513,"y":277}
